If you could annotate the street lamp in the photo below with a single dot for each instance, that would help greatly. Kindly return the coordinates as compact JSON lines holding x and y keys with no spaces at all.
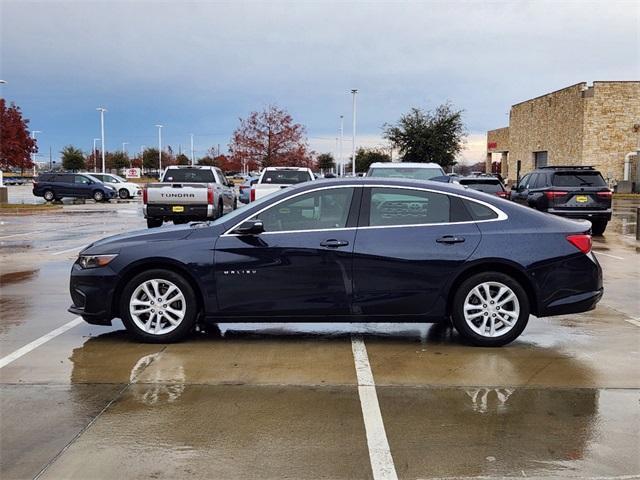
{"x":33,"y":155}
{"x":160,"y":147}
{"x":193,"y":161}
{"x":124,"y":144}
{"x":340,"y":162}
{"x":353,"y":146}
{"x":102,"y":110}
{"x":95,"y":160}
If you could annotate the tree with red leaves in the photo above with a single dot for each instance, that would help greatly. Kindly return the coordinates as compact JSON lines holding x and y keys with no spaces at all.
{"x":16,"y":145}
{"x":269,"y":138}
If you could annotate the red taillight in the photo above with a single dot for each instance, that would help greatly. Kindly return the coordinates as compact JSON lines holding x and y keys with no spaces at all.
{"x":582,"y":242}
{"x":210,"y":195}
{"x":501,"y":194}
{"x":605,"y":194}
{"x":243,"y":187}
{"x":144,"y":194}
{"x":252,"y":195}
{"x":553,"y":194}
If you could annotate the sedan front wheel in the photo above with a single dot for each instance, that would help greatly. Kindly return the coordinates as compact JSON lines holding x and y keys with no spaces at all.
{"x":490,"y":309}
{"x":158,"y":306}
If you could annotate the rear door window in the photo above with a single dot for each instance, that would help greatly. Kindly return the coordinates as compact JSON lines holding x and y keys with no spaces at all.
{"x":398,"y":206}
{"x":578,"y":179}
{"x":180,"y":175}
{"x":285,"y":177}
{"x":479,"y":211}
{"x":487,"y":186}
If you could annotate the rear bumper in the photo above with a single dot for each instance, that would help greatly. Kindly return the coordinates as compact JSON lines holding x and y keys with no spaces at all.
{"x":583,"y":214}
{"x":581,"y":302}
{"x":166,"y":211}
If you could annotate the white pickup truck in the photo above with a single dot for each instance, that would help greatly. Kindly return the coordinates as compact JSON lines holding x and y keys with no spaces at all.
{"x":273,"y":179}
{"x":185,"y":194}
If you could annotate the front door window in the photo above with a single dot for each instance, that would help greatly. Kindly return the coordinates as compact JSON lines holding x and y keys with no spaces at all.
{"x":319,"y":210}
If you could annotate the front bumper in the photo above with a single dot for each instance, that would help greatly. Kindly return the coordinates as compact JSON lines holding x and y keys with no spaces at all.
{"x":583,"y":214}
{"x":92,"y":291}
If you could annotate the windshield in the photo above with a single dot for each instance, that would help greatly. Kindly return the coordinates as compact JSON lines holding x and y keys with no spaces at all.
{"x":578,"y":179}
{"x":189,"y":175}
{"x":487,"y":186}
{"x":404,"y":172}
{"x":286,"y":177}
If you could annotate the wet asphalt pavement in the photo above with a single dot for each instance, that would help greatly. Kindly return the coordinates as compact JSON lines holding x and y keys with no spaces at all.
{"x":282,"y":400}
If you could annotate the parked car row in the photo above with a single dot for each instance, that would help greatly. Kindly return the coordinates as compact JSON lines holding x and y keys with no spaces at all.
{"x":97,"y":186}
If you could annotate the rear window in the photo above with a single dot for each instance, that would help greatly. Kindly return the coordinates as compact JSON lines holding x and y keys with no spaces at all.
{"x":414,"y":173}
{"x":487,"y":186}
{"x":285,"y":177}
{"x":578,"y":179}
{"x":189,"y":176}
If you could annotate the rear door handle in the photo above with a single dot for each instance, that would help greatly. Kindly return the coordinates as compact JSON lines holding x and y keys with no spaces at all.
{"x":450,"y":239}
{"x":333,"y":243}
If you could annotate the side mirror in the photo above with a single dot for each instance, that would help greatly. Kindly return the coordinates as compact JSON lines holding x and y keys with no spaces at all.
{"x":250,"y":227}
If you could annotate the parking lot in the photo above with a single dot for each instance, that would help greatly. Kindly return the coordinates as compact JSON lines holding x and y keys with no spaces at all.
{"x":301,"y":400}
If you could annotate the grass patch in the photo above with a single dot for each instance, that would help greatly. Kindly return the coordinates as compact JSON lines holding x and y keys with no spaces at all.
{"x":17,"y":208}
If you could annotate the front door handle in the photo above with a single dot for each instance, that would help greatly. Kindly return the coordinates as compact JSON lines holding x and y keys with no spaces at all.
{"x":450,"y":239}
{"x":333,"y":243}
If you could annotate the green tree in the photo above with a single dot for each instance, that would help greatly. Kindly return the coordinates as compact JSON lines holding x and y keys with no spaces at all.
{"x":117,"y":160}
{"x":428,"y":136}
{"x":72,"y":158}
{"x":325,"y":161}
{"x":182,"y":159}
{"x":150,"y":159}
{"x":366,"y":156}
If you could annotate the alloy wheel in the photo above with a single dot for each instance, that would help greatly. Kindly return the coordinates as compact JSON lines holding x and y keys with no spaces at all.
{"x":491,"y":309}
{"x":157,"y":306}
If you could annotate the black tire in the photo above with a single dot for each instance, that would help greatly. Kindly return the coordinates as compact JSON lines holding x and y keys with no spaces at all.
{"x":457,"y":310}
{"x":123,"y":193}
{"x":191,"y":312}
{"x":235,"y":203}
{"x":220,"y":210}
{"x":598,"y":227}
{"x":49,"y":196}
{"x":98,"y":196}
{"x":154,"y":222}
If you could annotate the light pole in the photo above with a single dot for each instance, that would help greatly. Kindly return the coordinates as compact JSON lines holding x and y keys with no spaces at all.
{"x":124,"y":144}
{"x":340,"y":162}
{"x":193,"y":160}
{"x":102,"y":110}
{"x":95,"y":160}
{"x":160,"y":147}
{"x":33,"y":155}
{"x":142,"y":148}
{"x":353,"y":146}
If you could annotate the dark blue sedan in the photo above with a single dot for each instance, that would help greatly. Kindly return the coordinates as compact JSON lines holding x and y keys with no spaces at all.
{"x":346,"y":250}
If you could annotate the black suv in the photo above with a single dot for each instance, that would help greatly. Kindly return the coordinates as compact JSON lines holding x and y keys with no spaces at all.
{"x":54,"y":186}
{"x":568,"y":191}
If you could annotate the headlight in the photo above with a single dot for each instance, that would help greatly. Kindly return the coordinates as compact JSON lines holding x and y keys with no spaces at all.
{"x":94,"y":261}
{"x":111,"y":187}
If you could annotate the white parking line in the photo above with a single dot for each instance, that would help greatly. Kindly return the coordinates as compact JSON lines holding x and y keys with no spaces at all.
{"x":21,"y":234}
{"x":608,"y":255}
{"x":633,"y":321}
{"x":4,"y":361}
{"x":379,"y":452}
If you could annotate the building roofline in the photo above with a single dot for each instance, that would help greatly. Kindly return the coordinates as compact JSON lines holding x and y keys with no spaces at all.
{"x":549,"y":93}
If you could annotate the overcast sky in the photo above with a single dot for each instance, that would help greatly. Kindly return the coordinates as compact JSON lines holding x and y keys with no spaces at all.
{"x":197,"y":66}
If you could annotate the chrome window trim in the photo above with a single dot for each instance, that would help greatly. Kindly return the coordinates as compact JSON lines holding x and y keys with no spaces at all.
{"x":501,"y":215}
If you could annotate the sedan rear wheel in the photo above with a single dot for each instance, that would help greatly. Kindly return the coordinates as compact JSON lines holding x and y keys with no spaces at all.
{"x":490,"y":309}
{"x":158,"y":306}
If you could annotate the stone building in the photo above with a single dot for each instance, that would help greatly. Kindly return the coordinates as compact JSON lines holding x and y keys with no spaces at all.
{"x":595,"y":125}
